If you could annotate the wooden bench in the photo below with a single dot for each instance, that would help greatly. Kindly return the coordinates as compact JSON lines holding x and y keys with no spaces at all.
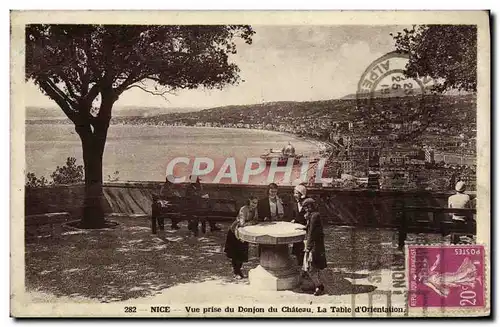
{"x":36,"y":225}
{"x":439,"y":222}
{"x":200,"y":210}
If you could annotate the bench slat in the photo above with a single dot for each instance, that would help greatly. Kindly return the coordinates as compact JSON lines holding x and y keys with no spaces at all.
{"x":441,"y":210}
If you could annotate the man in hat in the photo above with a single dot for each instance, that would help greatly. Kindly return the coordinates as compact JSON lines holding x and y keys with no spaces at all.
{"x":297,"y":213}
{"x":459,"y":200}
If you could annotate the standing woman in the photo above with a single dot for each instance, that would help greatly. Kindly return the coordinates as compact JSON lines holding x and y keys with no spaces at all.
{"x":315,"y":256}
{"x":235,"y":249}
{"x":297,"y":215}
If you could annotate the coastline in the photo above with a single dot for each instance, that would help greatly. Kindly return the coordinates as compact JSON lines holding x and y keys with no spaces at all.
{"x":320,"y":145}
{"x":308,"y":147}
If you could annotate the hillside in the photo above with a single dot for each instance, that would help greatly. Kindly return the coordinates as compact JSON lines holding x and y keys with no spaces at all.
{"x":335,"y":110}
{"x":40,"y":113}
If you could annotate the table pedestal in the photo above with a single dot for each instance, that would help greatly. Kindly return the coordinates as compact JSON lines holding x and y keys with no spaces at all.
{"x":276,"y":271}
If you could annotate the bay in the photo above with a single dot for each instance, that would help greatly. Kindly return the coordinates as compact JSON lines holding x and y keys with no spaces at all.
{"x":141,"y":153}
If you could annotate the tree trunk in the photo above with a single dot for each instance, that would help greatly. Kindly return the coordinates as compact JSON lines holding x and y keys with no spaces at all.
{"x":93,"y":138}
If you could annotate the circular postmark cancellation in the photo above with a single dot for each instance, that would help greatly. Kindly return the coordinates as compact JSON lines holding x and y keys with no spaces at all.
{"x":392,"y":102}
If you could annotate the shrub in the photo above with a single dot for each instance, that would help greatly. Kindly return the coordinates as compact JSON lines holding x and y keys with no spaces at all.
{"x":68,"y":174}
{"x":114,"y":177}
{"x":33,"y":181}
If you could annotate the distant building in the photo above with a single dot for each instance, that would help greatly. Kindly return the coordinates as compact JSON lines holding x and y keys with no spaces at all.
{"x":346,"y":166}
{"x":373,"y":181}
{"x":397,"y":160}
{"x":429,"y":155}
{"x":417,"y":162}
{"x":364,"y":153}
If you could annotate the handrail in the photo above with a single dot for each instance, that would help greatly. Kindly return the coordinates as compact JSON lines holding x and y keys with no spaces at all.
{"x":439,"y":209}
{"x":435,"y":224}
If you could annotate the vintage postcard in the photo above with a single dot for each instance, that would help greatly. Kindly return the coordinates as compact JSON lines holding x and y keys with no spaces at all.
{"x":250,"y":164}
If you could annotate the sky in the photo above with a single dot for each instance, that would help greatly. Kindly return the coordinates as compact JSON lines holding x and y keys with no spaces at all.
{"x":284,"y":63}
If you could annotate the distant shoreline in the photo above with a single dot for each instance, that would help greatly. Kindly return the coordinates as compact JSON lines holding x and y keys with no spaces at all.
{"x":320,"y":145}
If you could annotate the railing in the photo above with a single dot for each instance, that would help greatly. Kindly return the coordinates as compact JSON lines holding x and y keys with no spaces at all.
{"x":360,"y":208}
{"x":197,"y":209}
{"x":439,"y":222}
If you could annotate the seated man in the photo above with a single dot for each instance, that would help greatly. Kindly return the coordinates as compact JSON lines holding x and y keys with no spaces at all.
{"x":197,"y":201}
{"x":459,"y":200}
{"x":165,"y":202}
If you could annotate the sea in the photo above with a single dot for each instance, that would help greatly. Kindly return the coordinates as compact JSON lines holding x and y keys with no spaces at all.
{"x":142,"y":153}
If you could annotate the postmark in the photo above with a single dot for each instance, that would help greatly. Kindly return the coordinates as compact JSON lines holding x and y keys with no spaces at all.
{"x":390,"y":101}
{"x":446,"y":276}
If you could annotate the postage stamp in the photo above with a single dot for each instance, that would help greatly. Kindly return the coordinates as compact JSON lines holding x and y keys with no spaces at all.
{"x":446,"y":276}
{"x":256,"y":164}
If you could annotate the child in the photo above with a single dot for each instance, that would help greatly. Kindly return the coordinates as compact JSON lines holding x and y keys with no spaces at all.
{"x":314,"y":257}
{"x":235,"y":249}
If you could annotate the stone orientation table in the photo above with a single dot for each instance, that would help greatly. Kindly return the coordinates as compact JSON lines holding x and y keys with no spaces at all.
{"x":277,"y":270}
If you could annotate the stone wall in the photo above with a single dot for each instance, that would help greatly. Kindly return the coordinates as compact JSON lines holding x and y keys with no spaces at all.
{"x":348,"y":207}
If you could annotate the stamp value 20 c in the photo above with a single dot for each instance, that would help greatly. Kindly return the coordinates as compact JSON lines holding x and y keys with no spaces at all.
{"x":446,"y":276}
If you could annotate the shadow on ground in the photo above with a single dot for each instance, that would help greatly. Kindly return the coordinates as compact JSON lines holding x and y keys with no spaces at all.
{"x":337,"y":283}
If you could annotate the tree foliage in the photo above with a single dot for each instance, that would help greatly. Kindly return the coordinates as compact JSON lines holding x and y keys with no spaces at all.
{"x":72,"y":64}
{"x":85,"y":69}
{"x":447,"y":53}
{"x":32,"y":181}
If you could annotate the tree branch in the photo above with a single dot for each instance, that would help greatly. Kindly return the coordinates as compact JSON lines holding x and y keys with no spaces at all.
{"x":70,"y":87}
{"x":55,"y":94}
{"x":61,"y":93}
{"x":162,"y":94}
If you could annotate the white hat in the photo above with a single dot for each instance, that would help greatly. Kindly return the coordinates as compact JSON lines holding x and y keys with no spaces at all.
{"x":302,"y":190}
{"x":460,"y":186}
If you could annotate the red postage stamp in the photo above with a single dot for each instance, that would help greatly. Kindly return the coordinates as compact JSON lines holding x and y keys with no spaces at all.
{"x":446,"y":276}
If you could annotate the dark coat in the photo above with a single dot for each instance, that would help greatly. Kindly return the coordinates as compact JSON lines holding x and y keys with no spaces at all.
{"x":296,"y":215}
{"x":299,"y":218}
{"x":235,"y":248}
{"x":316,"y":240}
{"x":263,"y":209}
